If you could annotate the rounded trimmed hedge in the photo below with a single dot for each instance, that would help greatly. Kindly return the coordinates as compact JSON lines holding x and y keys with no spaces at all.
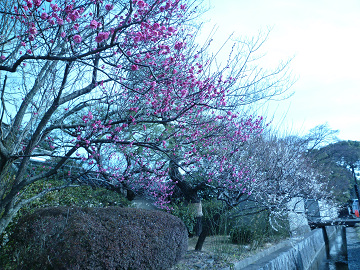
{"x":98,"y":238}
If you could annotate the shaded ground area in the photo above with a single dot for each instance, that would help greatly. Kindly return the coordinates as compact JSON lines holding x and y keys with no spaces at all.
{"x":218,"y":252}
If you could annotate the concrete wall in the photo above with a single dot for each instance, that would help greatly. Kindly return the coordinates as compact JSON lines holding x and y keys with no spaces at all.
{"x":297,"y":253}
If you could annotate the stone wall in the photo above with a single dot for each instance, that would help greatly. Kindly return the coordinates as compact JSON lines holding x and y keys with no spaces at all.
{"x":298,"y":221}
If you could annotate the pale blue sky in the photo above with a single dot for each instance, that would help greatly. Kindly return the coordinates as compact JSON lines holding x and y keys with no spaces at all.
{"x":323,"y":36}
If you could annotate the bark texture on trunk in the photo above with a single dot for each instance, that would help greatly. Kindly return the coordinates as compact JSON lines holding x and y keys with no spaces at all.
{"x":209,"y":225}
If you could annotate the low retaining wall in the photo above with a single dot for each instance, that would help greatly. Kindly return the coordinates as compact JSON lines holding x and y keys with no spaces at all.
{"x":305,"y":252}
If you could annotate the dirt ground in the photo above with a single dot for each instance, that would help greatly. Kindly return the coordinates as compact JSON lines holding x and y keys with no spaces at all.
{"x":218,"y":252}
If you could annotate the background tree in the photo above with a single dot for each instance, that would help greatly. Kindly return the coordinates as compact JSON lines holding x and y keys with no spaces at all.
{"x":116,"y":92}
{"x":320,"y":136}
{"x":343,"y":161}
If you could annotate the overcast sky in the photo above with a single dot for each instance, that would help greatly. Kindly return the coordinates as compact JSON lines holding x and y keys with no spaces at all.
{"x":323,"y":36}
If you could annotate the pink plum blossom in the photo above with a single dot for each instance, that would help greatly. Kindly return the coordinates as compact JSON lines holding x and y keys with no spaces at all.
{"x":178,"y":45}
{"x":69,"y":8}
{"x":55,"y":7}
{"x":109,"y":7}
{"x":94,"y":24}
{"x":171,"y":29}
{"x":29,"y":4}
{"x":33,"y":30}
{"x":74,"y":15}
{"x":44,"y":16}
{"x":102,"y":36}
{"x":77,"y":39}
{"x":141,"y":4}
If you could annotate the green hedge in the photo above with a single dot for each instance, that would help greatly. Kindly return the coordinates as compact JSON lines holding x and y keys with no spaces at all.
{"x":96,"y":238}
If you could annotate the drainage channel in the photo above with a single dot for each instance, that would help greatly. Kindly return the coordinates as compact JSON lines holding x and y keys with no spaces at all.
{"x":335,"y":255}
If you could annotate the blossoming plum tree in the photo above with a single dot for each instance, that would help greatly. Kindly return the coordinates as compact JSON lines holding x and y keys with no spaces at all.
{"x":264,"y":173}
{"x":285,"y":171}
{"x":120,"y":89}
{"x":288,"y":176}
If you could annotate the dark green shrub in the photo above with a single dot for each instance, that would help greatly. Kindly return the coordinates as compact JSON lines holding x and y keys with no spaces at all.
{"x":216,"y":215}
{"x":187,"y":214}
{"x":97,"y":238}
{"x":83,"y":196}
{"x":241,"y":235}
{"x":256,"y":229}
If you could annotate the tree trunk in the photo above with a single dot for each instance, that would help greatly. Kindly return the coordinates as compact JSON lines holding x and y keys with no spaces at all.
{"x":208,"y":226}
{"x":7,"y":216}
{"x":197,"y":208}
{"x":198,"y":226}
{"x":204,"y":233}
